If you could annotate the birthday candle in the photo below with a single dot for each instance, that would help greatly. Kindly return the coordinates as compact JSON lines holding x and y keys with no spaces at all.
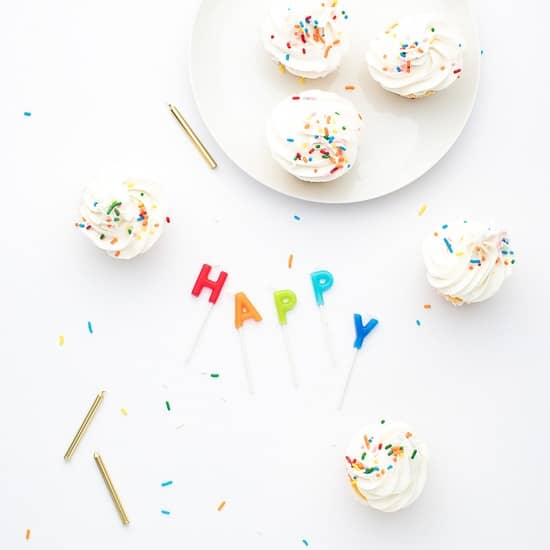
{"x":245,"y":311}
{"x":215,"y":287}
{"x":361,"y":332}
{"x":285,"y":301}
{"x":323,"y":281}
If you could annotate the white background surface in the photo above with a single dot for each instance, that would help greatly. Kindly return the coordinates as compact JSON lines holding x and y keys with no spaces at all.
{"x":473,"y":381}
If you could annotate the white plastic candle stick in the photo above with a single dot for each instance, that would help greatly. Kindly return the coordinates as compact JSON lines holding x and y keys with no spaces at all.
{"x":348,"y":379}
{"x":326,"y":336}
{"x":246,"y":362}
{"x":290,"y":356}
{"x":199,"y":335}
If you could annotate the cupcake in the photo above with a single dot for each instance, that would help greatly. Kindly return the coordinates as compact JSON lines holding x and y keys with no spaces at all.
{"x":125,"y":219}
{"x":307,"y":37}
{"x":416,"y":57}
{"x":315,"y":135}
{"x":387,"y":466}
{"x":467,"y":262}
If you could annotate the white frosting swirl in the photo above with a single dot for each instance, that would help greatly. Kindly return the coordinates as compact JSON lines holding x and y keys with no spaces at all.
{"x":315,"y":135}
{"x":124,"y":220}
{"x":416,"y":57}
{"x":387,"y":466}
{"x":467,"y":262}
{"x":307,"y":37}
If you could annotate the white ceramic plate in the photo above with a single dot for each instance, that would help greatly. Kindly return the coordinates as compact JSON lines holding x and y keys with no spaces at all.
{"x":236,"y":84}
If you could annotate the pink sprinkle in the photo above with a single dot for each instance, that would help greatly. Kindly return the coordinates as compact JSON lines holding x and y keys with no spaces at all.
{"x":167,"y":219}
{"x":296,"y":97}
{"x":457,"y":71}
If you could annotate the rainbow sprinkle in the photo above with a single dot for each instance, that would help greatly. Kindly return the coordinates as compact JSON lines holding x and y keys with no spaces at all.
{"x":290,"y":260}
{"x":124,"y":411}
{"x":165,"y":512}
{"x":448,"y":245}
{"x":61,"y":339}
{"x":168,"y":405}
{"x":305,"y":542}
{"x":214,"y":375}
{"x":27,"y":113}
{"x":166,"y":483}
{"x":90,"y":328}
{"x":221,"y":505}
{"x":28,"y":532}
{"x":423,"y":209}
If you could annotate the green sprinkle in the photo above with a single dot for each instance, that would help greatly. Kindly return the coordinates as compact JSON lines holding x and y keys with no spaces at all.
{"x":168,"y":405}
{"x":363,"y":456}
{"x":414,"y":454}
{"x":382,"y":421}
{"x":114,"y":204}
{"x":129,"y":231}
{"x":214,"y":375}
{"x":390,"y":453}
{"x":102,"y":236}
{"x":117,"y":211}
{"x":433,"y":29}
{"x":388,"y":446}
{"x":117,"y":219}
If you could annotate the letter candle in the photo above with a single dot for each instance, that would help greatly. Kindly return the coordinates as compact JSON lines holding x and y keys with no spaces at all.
{"x":285,"y":301}
{"x":215,"y":287}
{"x":244,"y":311}
{"x":323,"y":281}
{"x":361,"y":332}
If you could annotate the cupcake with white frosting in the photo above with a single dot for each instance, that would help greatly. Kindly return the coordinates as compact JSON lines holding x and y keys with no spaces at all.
{"x":315,"y":135}
{"x":416,"y":56}
{"x":307,"y":37}
{"x":387,"y":466}
{"x":468,"y":262}
{"x":124,"y":220}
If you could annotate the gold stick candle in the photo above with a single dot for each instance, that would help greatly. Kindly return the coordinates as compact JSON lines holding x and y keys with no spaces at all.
{"x":114,"y":495}
{"x":84,"y":426}
{"x":193,"y":137}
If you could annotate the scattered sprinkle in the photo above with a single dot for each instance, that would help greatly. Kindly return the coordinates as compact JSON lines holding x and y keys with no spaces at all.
{"x":290,"y":260}
{"x":448,"y":245}
{"x":165,"y":512}
{"x":180,"y":426}
{"x":444,"y":226}
{"x":350,"y":87}
{"x":124,"y":411}
{"x":167,"y":219}
{"x":27,"y":113}
{"x":167,"y":405}
{"x":305,"y":542}
{"x":414,"y":454}
{"x":221,"y":505}
{"x":214,"y":375}
{"x":61,"y":339}
{"x":28,"y":533}
{"x":382,"y":421}
{"x":302,"y":80}
{"x":166,"y":483}
{"x":418,"y":323}
{"x":427,"y":306}
{"x":90,"y":328}
{"x":422,"y":209}
{"x":297,"y":218}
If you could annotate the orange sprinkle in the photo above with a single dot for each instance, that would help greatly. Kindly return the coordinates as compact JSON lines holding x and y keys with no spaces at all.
{"x":326,"y":132}
{"x":117,"y":253}
{"x":307,"y":126}
{"x":221,"y":505}
{"x":114,"y":240}
{"x":327,"y":51}
{"x":350,"y":87}
{"x":470,"y":268}
{"x":427,"y":306}
{"x":336,"y":42}
{"x":360,"y":116}
{"x":367,"y":444}
{"x":498,"y":261}
{"x":408,"y":435}
{"x":442,"y":68}
{"x":436,"y":234}
{"x":290,"y":260}
{"x":28,"y":534}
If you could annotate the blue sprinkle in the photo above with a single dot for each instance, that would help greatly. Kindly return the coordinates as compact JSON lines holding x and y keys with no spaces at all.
{"x":310,"y":159}
{"x":287,"y":56}
{"x":296,"y":217}
{"x":460,"y":45}
{"x":140,"y":219}
{"x":403,"y":54}
{"x":475,"y":261}
{"x":95,"y":203}
{"x":90,"y":328}
{"x":306,"y":543}
{"x":290,"y":140}
{"x":449,"y":247}
{"x":405,"y":46}
{"x":166,"y":483}
{"x":398,"y":69}
{"x":390,"y":467}
{"x":416,"y":42}
{"x":165,"y":512}
{"x":482,"y":52}
{"x":301,"y":24}
{"x":444,"y":226}
{"x":418,"y":323}
{"x":316,"y":22}
{"x":27,"y":113}
{"x":505,"y":252}
{"x":81,"y":225}
{"x":342,"y":148}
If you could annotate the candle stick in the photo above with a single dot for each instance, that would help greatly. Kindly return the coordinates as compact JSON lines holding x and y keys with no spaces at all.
{"x":361,"y":332}
{"x":111,"y":488}
{"x":323,"y":281}
{"x":285,"y":301}
{"x":193,"y":137}
{"x":245,"y":310}
{"x":84,"y":426}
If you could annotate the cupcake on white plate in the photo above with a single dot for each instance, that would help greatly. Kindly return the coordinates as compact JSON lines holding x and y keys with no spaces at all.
{"x":306,"y":37}
{"x":468,"y":262}
{"x":314,"y":135}
{"x":124,"y":219}
{"x":387,"y":466}
{"x":417,"y":56}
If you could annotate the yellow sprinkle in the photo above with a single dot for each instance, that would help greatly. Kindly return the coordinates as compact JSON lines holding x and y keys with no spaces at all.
{"x":282,"y":68}
{"x":124,"y":411}
{"x":356,"y":489}
{"x":138,"y":237}
{"x":154,"y":206}
{"x":422,"y":209}
{"x":151,"y":232}
{"x":28,"y":534}
{"x":61,"y":339}
{"x":302,"y":80}
{"x":221,"y":505}
{"x":130,"y":185}
{"x":459,"y":253}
